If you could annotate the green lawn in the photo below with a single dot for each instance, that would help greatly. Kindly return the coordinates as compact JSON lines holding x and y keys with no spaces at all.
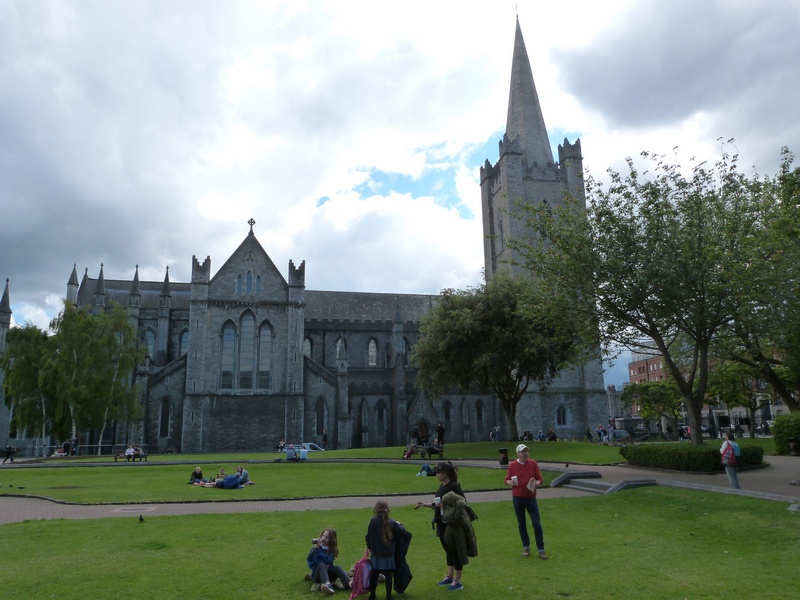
{"x":643,"y":543}
{"x":127,"y":483}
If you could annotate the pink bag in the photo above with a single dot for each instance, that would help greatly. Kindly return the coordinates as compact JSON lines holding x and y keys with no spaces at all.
{"x":361,"y":572}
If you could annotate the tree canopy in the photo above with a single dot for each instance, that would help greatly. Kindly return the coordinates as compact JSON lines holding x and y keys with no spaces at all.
{"x":497,"y":338}
{"x":76,"y":379}
{"x":659,"y":255}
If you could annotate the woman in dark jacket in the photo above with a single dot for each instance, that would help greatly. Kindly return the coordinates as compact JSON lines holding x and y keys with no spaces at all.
{"x":382,"y":543}
{"x":448,"y":482}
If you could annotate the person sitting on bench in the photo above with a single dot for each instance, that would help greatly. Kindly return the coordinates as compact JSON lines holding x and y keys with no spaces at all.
{"x":410,"y":451}
{"x":435,"y":448}
{"x":291,"y":453}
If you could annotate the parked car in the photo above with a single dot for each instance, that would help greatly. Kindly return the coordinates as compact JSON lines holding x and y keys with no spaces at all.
{"x":309,"y":446}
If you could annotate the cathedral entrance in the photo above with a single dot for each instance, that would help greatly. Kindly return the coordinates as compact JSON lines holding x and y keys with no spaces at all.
{"x":423,"y":432}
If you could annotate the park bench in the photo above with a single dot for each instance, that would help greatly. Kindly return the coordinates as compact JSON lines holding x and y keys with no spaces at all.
{"x":122,"y":456}
{"x":429,"y":454}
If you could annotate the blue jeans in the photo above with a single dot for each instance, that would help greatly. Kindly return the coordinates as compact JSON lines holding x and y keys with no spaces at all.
{"x":733,"y":478}
{"x":528,"y":504}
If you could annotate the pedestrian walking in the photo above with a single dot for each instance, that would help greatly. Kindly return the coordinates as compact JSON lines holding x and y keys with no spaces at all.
{"x":524,"y":477}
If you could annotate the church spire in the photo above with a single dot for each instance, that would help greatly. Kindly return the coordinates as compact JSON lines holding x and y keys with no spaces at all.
{"x":5,"y":319}
{"x":5,"y":303}
{"x":525,"y":121}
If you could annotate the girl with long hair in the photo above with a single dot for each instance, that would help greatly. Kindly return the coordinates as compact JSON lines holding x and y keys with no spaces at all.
{"x":381,"y":541}
{"x":324,"y":550}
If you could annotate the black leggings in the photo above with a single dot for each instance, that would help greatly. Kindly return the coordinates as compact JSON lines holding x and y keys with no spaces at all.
{"x":373,"y":582}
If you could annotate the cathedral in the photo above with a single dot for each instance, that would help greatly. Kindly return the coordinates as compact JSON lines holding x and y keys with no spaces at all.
{"x":243,"y":357}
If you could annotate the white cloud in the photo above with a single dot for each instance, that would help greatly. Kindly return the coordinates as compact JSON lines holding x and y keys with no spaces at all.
{"x":147,"y":132}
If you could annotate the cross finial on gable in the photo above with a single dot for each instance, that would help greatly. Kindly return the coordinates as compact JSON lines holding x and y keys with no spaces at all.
{"x":251,"y":222}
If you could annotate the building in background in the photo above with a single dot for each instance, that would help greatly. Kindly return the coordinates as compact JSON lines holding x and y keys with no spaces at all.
{"x":243,"y":357}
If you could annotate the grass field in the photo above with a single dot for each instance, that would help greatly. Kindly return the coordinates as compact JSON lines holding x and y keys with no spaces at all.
{"x":647,"y":542}
{"x":644,"y":543}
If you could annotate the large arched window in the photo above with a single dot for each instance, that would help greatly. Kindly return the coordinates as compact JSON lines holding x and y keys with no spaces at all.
{"x":372,"y":353}
{"x":228,"y":345}
{"x":239,"y":285}
{"x":341,"y":349}
{"x":247,"y":349}
{"x":183,"y":343}
{"x":249,"y":283}
{"x":264,"y":357}
{"x":258,"y":284}
{"x":307,"y":347}
{"x":150,"y":338}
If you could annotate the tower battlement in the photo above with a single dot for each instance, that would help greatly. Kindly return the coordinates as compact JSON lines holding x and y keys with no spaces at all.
{"x":297,"y":275}
{"x":568,"y":151}
{"x":201,"y":273}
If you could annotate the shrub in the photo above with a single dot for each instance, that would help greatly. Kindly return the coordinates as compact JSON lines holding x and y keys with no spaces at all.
{"x":786,"y":427}
{"x":704,"y":458}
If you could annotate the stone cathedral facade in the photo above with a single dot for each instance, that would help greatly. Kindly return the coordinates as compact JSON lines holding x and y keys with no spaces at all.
{"x":245,"y":356}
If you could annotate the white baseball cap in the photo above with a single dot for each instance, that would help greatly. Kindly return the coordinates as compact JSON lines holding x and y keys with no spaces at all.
{"x":521,"y":447}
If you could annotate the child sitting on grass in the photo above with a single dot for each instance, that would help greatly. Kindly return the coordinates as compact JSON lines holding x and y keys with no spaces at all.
{"x":324,"y":551}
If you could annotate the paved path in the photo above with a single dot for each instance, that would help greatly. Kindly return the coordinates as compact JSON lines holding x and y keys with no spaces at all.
{"x":771,"y":483}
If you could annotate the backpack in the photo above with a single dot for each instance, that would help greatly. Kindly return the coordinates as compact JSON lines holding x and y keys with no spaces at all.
{"x":729,"y":456}
{"x":361,"y":572}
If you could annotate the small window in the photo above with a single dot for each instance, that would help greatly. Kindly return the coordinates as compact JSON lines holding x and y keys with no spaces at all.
{"x":372,"y":353}
{"x":561,"y":416}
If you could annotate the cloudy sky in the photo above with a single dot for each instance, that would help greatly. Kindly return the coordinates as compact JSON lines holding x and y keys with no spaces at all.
{"x":146,"y":132}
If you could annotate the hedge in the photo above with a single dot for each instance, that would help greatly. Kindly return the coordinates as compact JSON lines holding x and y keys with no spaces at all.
{"x":785,"y":428}
{"x":682,"y":456}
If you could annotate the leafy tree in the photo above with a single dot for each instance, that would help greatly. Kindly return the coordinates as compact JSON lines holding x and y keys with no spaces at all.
{"x":655,"y":399}
{"x":483,"y":339}
{"x":654,"y":255}
{"x":68,"y":369}
{"x":765,"y":333}
{"x":119,"y":353}
{"x":735,"y":384}
{"x":22,"y":366}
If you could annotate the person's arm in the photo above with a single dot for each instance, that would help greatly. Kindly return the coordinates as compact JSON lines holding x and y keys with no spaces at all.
{"x":509,"y":474}
{"x":537,"y":475}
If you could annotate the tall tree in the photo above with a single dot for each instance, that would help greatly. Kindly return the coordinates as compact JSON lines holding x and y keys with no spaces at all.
{"x":654,"y":399}
{"x":88,"y":369}
{"x":22,"y":365}
{"x":765,"y":332}
{"x":654,"y":255}
{"x":119,"y":353}
{"x":482,"y":339}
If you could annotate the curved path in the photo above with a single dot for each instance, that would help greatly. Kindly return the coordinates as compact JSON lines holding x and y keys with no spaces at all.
{"x":780,"y":481}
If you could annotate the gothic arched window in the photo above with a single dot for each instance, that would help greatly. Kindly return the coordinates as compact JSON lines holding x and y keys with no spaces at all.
{"x":227,"y":343}
{"x":183,"y":343}
{"x":150,"y":338}
{"x":561,"y":415}
{"x":247,"y":351}
{"x":264,"y":356}
{"x":372,"y":353}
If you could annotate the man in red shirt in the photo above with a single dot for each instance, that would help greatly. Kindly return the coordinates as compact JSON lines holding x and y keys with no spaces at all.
{"x":524,"y":477}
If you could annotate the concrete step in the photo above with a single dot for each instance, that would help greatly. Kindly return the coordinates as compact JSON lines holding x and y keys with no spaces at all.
{"x":594,"y":486}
